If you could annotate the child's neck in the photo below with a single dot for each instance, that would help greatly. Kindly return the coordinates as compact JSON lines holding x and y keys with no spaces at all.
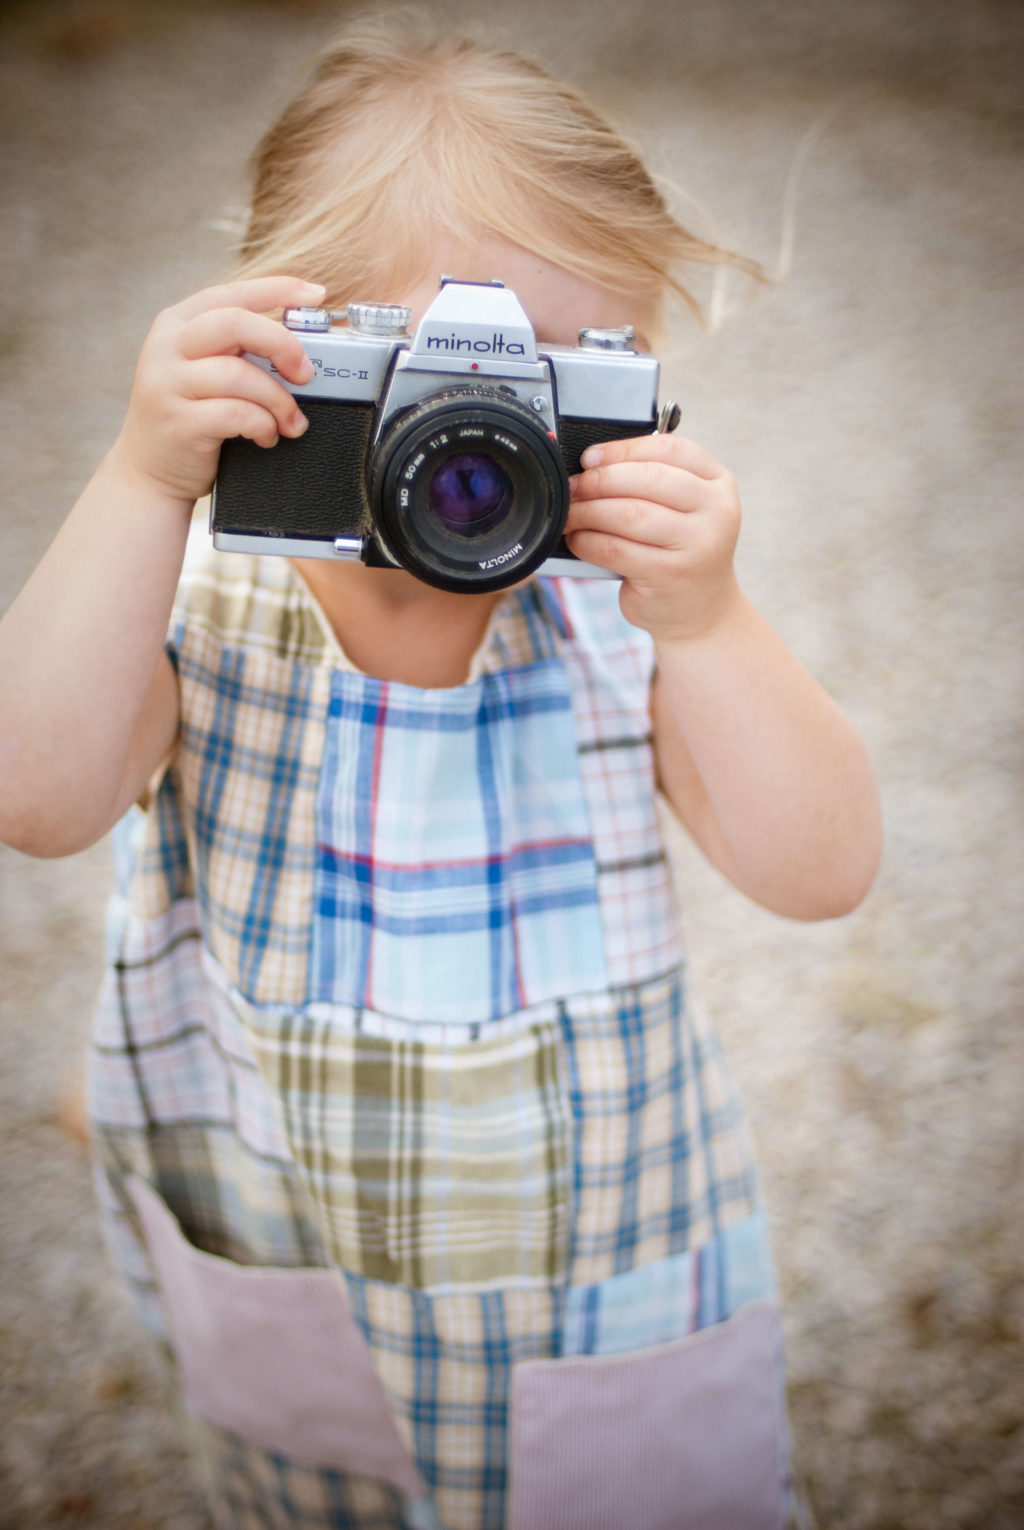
{"x":395,"y":627}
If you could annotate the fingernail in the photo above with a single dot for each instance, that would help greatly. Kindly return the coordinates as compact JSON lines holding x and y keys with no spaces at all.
{"x":316,"y":287}
{"x":306,"y":370}
{"x":574,"y":479}
{"x":299,"y":424}
{"x":593,"y":456}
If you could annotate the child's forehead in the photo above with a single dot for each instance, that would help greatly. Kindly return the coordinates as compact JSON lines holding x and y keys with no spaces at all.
{"x":558,"y":302}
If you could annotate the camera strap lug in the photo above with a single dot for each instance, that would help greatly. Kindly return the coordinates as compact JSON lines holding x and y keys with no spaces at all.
{"x":669,"y":416}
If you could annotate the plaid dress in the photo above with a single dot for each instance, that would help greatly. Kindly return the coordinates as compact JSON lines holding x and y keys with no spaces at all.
{"x":411,"y":1150}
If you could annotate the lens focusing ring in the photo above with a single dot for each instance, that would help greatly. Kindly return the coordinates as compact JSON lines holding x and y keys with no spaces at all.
{"x":487,"y":438}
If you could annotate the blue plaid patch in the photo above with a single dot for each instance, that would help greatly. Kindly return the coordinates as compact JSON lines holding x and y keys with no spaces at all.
{"x":656,"y":1303}
{"x":455,"y":872}
{"x":662,"y":1159}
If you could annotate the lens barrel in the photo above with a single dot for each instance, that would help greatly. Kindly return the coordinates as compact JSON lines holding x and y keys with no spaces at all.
{"x":469,"y":489}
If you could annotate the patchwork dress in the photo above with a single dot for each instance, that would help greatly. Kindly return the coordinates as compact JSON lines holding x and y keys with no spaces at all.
{"x":411,"y":1149}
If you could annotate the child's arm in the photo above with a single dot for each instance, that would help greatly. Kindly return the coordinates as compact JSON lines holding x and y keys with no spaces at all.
{"x":88,"y":698}
{"x":764,"y":769}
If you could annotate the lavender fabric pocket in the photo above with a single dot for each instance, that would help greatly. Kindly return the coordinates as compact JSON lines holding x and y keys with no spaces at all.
{"x":274,"y":1355}
{"x":683,"y":1436}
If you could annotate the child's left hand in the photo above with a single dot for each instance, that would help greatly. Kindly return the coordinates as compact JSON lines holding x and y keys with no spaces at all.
{"x":660,"y":512}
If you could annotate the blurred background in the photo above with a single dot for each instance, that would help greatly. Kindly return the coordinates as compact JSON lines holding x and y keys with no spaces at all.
{"x":869,"y":407}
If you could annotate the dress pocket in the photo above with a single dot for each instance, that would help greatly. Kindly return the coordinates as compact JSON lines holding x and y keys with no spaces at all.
{"x":273,"y":1355}
{"x":683,"y":1436}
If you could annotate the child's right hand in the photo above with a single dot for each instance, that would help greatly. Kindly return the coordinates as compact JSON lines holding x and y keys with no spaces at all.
{"x":193,"y":389}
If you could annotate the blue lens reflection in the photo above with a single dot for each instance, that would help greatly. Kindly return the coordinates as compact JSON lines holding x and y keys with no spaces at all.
{"x":469,"y":493}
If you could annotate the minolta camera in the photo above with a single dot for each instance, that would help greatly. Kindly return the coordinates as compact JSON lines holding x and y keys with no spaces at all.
{"x":447,"y":452}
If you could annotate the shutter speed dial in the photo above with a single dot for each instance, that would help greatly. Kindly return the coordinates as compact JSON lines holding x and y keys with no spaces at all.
{"x":378,"y":318}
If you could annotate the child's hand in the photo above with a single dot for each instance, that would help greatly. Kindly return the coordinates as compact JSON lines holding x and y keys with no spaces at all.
{"x":662,"y":513}
{"x":193,"y":389}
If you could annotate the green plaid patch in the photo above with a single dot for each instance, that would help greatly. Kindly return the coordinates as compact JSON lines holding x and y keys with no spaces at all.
{"x":431,"y":1165}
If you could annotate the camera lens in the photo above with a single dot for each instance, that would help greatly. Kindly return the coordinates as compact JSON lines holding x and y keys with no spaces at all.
{"x":468,"y":489}
{"x":470,"y":494}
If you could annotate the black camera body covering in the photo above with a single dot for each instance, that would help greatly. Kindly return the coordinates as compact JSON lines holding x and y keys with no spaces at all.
{"x":446,"y":453}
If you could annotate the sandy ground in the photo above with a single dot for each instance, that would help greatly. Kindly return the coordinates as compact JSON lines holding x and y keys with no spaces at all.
{"x":866,"y":407}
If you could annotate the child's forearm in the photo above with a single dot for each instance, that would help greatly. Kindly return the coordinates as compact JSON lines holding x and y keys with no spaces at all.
{"x":79,"y":650}
{"x":769,"y":775}
{"x":88,"y":703}
{"x":770,"y":778}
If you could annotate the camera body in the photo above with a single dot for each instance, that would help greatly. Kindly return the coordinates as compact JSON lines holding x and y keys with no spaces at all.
{"x":446,"y":452}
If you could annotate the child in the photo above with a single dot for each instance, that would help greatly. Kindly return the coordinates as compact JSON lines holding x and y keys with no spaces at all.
{"x":411,"y":1149}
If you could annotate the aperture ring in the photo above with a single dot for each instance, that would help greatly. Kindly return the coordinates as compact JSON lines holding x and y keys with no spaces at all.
{"x":490,"y":433}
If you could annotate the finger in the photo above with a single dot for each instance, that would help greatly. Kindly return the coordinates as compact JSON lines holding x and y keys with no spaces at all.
{"x":231,"y":377}
{"x":220,"y":419}
{"x":660,"y":447}
{"x":662,"y":483}
{"x":619,"y":555}
{"x":258,"y":293}
{"x":635,"y":519}
{"x":232,"y":330}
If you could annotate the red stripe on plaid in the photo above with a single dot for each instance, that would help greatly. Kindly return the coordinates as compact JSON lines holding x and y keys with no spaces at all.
{"x":567,"y":628}
{"x":521,"y":999}
{"x":695,"y":1293}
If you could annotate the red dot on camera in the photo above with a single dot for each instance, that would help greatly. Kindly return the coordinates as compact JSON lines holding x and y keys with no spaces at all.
{"x":474,"y":366}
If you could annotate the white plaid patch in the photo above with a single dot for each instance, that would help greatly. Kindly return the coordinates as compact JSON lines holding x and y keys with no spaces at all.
{"x":611,"y":665}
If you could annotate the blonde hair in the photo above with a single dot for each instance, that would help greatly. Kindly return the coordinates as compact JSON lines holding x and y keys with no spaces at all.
{"x":403,"y":134}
